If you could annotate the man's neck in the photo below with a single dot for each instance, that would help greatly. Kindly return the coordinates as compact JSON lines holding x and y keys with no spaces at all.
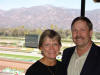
{"x":83,"y":50}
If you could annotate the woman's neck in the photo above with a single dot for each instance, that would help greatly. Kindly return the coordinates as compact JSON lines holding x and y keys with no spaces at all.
{"x":48,"y":62}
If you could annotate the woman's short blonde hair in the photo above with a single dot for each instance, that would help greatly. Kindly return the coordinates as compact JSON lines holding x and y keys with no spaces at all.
{"x":51,"y":34}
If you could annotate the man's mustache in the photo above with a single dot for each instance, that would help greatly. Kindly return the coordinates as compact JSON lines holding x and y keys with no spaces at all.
{"x":79,"y":37}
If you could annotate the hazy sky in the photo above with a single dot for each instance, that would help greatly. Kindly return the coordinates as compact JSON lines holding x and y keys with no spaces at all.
{"x":75,"y":4}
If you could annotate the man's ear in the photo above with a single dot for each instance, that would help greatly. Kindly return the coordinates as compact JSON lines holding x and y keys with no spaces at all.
{"x":60,"y":46}
{"x":91,"y":33}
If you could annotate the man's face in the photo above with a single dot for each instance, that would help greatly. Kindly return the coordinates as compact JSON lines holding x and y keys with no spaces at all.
{"x":81,"y":34}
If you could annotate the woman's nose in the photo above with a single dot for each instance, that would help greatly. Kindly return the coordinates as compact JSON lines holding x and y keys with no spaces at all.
{"x":51,"y":47}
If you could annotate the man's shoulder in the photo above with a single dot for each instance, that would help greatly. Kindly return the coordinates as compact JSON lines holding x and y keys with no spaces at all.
{"x":96,"y":47}
{"x":69,"y":49}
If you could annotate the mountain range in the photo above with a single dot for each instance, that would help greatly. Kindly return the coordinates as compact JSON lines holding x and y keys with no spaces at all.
{"x":44,"y":17}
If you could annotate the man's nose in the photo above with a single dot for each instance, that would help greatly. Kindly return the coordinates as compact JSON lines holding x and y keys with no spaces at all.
{"x":78,"y":32}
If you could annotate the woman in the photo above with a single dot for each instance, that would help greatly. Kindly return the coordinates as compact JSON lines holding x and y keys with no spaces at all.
{"x":49,"y":44}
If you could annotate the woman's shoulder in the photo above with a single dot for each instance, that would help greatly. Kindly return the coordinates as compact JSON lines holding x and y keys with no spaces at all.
{"x":35,"y":65}
{"x":34,"y":68}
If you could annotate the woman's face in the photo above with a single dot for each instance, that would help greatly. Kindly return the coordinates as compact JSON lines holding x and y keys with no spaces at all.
{"x":50,"y":48}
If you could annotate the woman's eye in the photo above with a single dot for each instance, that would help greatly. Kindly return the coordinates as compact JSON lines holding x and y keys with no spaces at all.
{"x":46,"y":44}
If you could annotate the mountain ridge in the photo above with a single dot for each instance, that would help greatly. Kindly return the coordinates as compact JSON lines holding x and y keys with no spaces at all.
{"x":44,"y":16}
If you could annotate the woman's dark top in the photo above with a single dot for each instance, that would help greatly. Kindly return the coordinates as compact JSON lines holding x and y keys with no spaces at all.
{"x":39,"y":68}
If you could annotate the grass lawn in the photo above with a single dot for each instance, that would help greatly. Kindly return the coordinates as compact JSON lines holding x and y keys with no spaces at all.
{"x":20,"y":57}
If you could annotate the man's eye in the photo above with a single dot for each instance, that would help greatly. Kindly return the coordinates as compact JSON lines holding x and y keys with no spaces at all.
{"x":55,"y":44}
{"x":74,"y":30}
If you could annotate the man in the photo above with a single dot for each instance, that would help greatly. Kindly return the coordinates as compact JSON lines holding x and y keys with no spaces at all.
{"x":84,"y":58}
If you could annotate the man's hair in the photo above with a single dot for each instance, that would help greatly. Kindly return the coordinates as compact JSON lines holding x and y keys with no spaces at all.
{"x":51,"y":34}
{"x":89,"y":23}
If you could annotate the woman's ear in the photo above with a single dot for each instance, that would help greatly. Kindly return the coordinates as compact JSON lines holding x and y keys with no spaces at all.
{"x":40,"y":48}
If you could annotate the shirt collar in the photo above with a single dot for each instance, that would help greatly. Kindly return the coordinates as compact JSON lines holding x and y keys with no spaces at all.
{"x":85,"y":54}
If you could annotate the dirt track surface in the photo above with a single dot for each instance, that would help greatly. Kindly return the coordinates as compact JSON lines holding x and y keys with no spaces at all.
{"x":20,"y":65}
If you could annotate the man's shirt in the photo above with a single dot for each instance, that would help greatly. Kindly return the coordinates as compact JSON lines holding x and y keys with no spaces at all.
{"x":76,"y":63}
